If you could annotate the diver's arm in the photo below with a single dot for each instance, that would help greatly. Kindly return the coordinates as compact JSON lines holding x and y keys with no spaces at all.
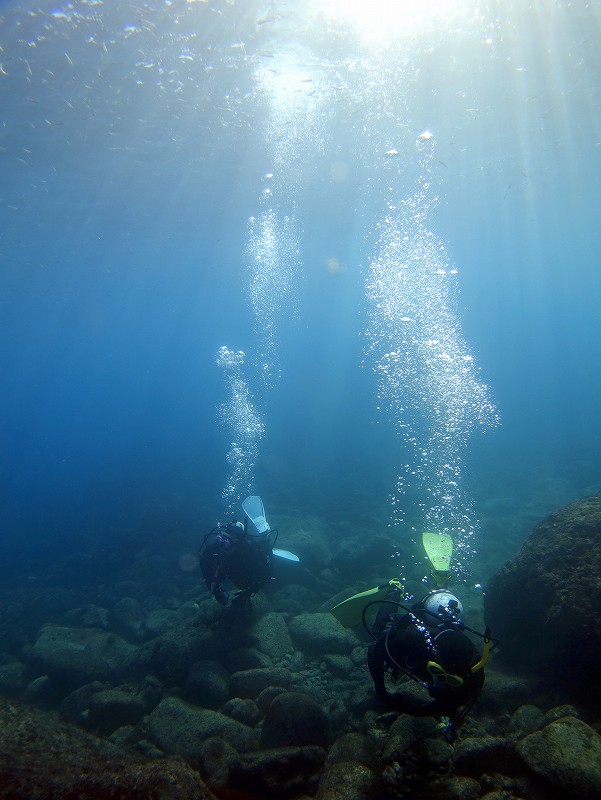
{"x":400,"y":701}
{"x":211,"y":565}
{"x":446,"y":704}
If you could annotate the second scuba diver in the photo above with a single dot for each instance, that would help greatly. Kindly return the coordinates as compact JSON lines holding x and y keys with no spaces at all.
{"x":230,"y":555}
{"x":427,"y":642}
{"x":240,"y":554}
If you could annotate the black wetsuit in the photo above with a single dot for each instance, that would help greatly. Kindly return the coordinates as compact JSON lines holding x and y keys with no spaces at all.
{"x":242,"y":559}
{"x":407,"y":643}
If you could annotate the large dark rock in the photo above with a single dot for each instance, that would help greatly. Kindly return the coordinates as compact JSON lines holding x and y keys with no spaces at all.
{"x":279,"y":772}
{"x":180,"y":728}
{"x":545,"y":604}
{"x":74,"y":656}
{"x":44,"y":758}
{"x":568,"y":753}
{"x":251,"y":682}
{"x":111,"y":709}
{"x":171,"y":654}
{"x":317,"y":634}
{"x":346,"y":780}
{"x":294,"y":718}
{"x":206,"y":684}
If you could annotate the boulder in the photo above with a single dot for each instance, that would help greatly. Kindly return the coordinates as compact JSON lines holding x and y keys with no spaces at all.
{"x":206,"y":684}
{"x":277,"y":773}
{"x":179,"y":728}
{"x":474,"y":755}
{"x":266,"y":696}
{"x":294,"y":718}
{"x":545,"y":604}
{"x":339,"y":666}
{"x":251,"y":682}
{"x":170,"y":655}
{"x":557,"y":712}
{"x":244,"y":710}
{"x":526,"y":719}
{"x":75,"y":656}
{"x":242,"y":658}
{"x":346,"y":780}
{"x":159,"y":621}
{"x":567,"y":753}
{"x":43,"y":757}
{"x":111,"y":709}
{"x":454,"y":788}
{"x":215,"y":759}
{"x":128,"y":618}
{"x":321,"y":633}
{"x":404,"y":734}
{"x":352,"y":747}
{"x":270,"y":635}
{"x":74,"y":706}
{"x":129,"y":736}
{"x":293,"y":599}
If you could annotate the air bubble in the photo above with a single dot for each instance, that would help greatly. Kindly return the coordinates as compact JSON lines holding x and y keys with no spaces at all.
{"x":240,"y":417}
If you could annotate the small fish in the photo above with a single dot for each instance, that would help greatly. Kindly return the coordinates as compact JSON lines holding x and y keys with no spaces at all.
{"x":391,"y":153}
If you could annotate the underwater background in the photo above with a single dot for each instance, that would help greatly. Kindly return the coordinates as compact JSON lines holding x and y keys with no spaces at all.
{"x":392,"y":213}
{"x":340,"y":255}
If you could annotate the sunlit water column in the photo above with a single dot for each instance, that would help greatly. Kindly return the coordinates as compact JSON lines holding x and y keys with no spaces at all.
{"x":273,"y":263}
{"x":427,"y":377}
{"x":240,"y":417}
{"x":289,"y":90}
{"x":272,"y":255}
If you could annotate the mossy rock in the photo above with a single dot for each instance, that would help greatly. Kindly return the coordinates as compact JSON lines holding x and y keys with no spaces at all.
{"x":545,"y":604}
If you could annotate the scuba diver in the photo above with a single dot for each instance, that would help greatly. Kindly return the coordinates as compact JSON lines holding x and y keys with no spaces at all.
{"x":240,"y":554}
{"x":427,"y":642}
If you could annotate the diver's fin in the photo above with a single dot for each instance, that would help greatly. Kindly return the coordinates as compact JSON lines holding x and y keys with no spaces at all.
{"x":439,"y":549}
{"x":285,"y":554}
{"x":350,"y":611}
{"x":253,"y":508}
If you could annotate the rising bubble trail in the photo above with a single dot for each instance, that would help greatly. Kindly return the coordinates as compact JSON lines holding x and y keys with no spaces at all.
{"x":427,"y":376}
{"x":241,"y":419}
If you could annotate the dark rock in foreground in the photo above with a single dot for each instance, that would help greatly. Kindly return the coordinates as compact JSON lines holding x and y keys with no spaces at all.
{"x":568,"y":754}
{"x":180,"y":728}
{"x":278,"y":772}
{"x":74,"y":656}
{"x":545,"y":605}
{"x":294,"y":718}
{"x":47,"y":759}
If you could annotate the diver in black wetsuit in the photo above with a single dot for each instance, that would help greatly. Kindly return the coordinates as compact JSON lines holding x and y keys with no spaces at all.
{"x":230,"y":553}
{"x":427,"y":643}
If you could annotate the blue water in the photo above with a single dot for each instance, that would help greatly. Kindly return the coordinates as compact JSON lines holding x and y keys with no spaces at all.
{"x":135,"y":145}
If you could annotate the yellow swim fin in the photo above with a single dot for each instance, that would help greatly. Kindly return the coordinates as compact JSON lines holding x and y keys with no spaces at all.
{"x":350,"y":611}
{"x":439,"y":549}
